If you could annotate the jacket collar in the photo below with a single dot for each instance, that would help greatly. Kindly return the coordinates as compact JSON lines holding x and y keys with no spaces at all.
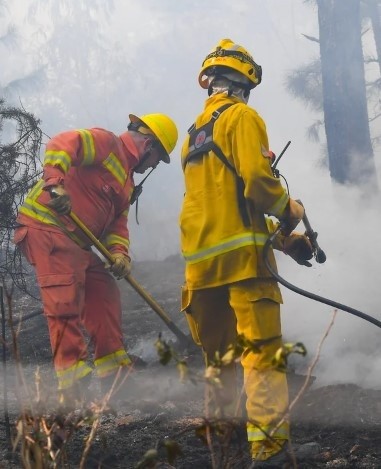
{"x":131,"y":150}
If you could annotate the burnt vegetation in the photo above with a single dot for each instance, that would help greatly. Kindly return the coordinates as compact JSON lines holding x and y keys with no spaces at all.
{"x":163,"y":419}
{"x":20,"y":167}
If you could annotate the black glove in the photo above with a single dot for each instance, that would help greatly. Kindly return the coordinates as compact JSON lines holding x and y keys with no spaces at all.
{"x":60,"y":200}
{"x":298,"y":247}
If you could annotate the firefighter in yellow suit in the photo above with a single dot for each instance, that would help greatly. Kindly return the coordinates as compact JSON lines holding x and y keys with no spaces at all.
{"x":229,"y":191}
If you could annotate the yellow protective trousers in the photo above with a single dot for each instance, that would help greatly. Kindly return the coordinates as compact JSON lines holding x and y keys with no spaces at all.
{"x":215,"y":316}
{"x":77,"y":293}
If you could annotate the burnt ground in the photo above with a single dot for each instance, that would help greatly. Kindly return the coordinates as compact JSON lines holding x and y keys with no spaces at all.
{"x":157,"y":408}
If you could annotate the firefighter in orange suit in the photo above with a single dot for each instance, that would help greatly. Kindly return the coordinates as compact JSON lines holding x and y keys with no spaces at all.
{"x":229,"y":192}
{"x":89,"y":171}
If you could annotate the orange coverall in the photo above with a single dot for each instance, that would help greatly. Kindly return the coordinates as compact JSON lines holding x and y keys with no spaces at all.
{"x":94,"y":165}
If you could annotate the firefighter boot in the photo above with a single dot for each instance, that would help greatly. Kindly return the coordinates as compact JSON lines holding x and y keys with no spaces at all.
{"x":77,"y":395}
{"x":114,"y":386}
{"x":285,"y":457}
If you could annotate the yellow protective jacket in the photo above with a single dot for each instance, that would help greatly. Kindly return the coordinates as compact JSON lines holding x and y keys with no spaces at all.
{"x":217,"y":246}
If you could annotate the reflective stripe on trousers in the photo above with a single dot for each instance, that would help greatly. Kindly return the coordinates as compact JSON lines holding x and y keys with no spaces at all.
{"x":77,"y":291}
{"x":104,"y":366}
{"x":67,"y":377}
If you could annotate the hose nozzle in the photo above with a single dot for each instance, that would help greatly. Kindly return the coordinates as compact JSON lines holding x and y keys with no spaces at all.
{"x":312,"y":235}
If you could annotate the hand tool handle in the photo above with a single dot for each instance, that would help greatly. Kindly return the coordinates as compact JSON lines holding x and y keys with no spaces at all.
{"x":183,"y":339}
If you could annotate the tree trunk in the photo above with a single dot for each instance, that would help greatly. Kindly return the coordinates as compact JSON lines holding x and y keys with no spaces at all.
{"x":374,"y":15}
{"x":350,"y":152}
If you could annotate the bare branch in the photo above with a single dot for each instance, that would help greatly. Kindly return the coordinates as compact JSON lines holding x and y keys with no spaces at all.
{"x":20,"y":167}
{"x":371,"y":119}
{"x":311,"y":38}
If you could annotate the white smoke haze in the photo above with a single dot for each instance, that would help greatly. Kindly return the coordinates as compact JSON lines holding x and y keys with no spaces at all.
{"x":348,"y":228}
{"x":158,"y":387}
{"x":145,"y":57}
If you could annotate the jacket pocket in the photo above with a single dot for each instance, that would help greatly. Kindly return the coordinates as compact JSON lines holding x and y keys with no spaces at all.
{"x":20,"y":239}
{"x":60,"y":294}
{"x":186,"y":297}
{"x":20,"y":234}
{"x":260,"y":289}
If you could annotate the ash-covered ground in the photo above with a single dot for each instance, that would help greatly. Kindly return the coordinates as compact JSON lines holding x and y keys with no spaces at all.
{"x":158,"y":408}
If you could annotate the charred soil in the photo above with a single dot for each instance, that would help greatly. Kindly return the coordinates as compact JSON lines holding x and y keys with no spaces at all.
{"x":160,"y":412}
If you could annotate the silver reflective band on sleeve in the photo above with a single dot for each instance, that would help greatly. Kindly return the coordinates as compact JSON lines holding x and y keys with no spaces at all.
{"x":58,"y":158}
{"x":278,"y":208}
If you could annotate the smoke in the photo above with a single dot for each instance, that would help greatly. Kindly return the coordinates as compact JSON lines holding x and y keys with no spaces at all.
{"x":148,"y":61}
{"x":348,"y":228}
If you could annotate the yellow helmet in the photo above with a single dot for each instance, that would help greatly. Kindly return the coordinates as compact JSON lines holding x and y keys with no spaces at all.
{"x":162,"y":127}
{"x":230,"y":55}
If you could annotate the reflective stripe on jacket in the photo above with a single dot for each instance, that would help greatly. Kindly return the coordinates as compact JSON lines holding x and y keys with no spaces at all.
{"x":226,"y":245}
{"x":216,"y":245}
{"x":94,"y":167}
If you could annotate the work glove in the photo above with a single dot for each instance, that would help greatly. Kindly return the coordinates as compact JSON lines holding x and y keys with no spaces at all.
{"x":294,"y":213}
{"x":121,"y":266}
{"x":60,"y":200}
{"x":298,"y":247}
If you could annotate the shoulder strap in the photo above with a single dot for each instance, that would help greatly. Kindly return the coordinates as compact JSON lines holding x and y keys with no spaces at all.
{"x":201,"y":139}
{"x":201,"y":143}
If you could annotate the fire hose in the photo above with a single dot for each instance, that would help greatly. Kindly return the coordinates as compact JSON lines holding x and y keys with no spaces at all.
{"x":320,"y":258}
{"x":318,"y":253}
